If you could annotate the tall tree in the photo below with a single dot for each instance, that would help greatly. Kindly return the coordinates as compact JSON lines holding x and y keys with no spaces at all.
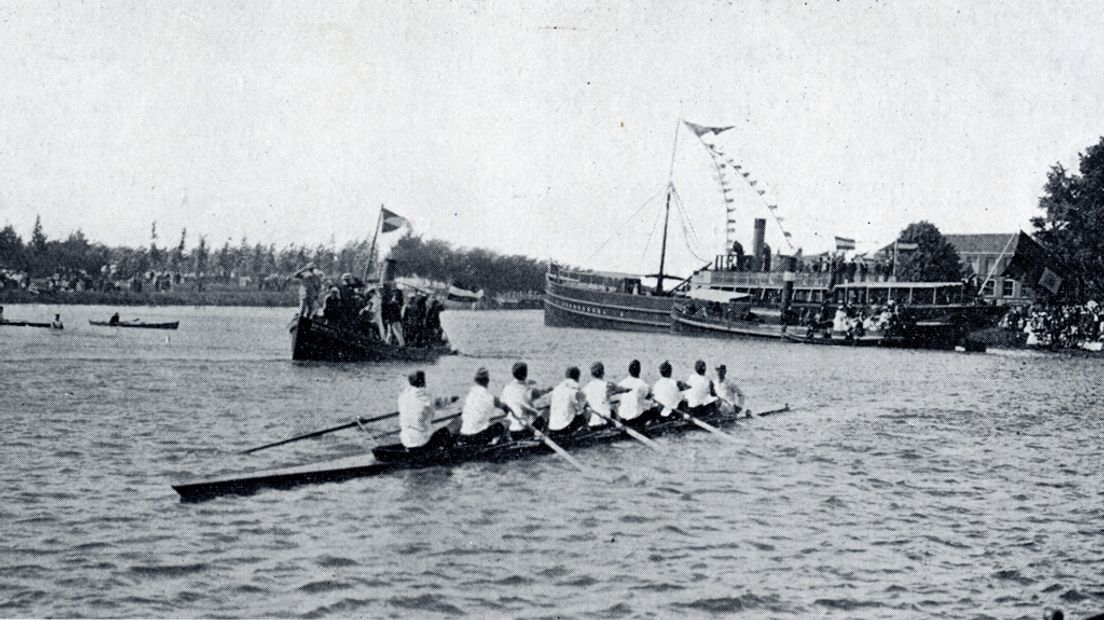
{"x":1072,"y":225}
{"x":11,"y":249}
{"x":933,"y":260}
{"x":154,"y":252}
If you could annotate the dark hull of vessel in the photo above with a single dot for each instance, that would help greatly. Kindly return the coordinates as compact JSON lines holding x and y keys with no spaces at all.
{"x":314,"y":339}
{"x":23,"y":324}
{"x":569,"y":306}
{"x":203,"y":490}
{"x":169,"y":325}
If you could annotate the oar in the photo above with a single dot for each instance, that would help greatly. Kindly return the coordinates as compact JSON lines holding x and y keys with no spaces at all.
{"x":444,"y":419}
{"x":631,"y":432}
{"x":709,"y":427}
{"x":326,"y":431}
{"x":782,"y":409}
{"x":551,"y":444}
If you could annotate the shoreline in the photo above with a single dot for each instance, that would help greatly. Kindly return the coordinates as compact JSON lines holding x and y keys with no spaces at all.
{"x":262,"y":299}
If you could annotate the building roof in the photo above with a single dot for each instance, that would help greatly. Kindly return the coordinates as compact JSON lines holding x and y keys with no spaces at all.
{"x":985,"y":243}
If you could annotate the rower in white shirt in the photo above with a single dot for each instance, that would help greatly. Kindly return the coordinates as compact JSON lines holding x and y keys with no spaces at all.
{"x":598,"y":393}
{"x":667,"y":392}
{"x":566,"y":414}
{"x":519,"y":396}
{"x":416,"y":418}
{"x":699,"y":392}
{"x":476,"y":426}
{"x":732,"y":398}
{"x":635,"y":405}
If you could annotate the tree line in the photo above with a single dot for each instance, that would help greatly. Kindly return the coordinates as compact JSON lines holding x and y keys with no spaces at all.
{"x":432,"y":259}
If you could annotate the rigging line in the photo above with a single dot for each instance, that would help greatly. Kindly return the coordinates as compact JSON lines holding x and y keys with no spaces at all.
{"x":648,"y":243}
{"x":683,"y":220}
{"x":693,"y":232}
{"x":617,"y":231}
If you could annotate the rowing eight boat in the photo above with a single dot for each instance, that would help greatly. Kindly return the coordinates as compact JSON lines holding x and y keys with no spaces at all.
{"x":365,"y":466}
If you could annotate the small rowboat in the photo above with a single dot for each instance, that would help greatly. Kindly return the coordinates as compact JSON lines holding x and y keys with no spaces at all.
{"x":396,"y":458}
{"x":854,"y":341}
{"x":137,"y":324}
{"x":23,"y":324}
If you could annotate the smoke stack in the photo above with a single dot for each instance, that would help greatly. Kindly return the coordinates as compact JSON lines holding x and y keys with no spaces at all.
{"x":758,"y":238}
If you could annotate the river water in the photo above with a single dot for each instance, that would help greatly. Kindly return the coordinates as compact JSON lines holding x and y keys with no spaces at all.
{"x":904,"y":483}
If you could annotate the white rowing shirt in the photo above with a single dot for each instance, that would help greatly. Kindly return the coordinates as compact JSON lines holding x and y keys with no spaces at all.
{"x":565,"y":405}
{"x":478,"y":410}
{"x":597,"y":397}
{"x":415,"y":417}
{"x":698,"y":392}
{"x":634,"y":402}
{"x":666,"y":392}
{"x":519,"y":397}
{"x":728,"y":391}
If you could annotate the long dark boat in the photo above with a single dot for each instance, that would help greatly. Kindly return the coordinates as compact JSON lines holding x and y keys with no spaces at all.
{"x":317,"y":339}
{"x":23,"y":324}
{"x":366,"y":466}
{"x":137,"y":324}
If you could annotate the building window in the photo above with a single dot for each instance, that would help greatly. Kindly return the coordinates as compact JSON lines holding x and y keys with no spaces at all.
{"x":1008,"y":288}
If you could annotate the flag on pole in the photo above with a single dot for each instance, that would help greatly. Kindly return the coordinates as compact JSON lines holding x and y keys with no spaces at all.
{"x":701,"y":130}
{"x":1050,"y":281}
{"x":391,"y":221}
{"x":843,"y":243}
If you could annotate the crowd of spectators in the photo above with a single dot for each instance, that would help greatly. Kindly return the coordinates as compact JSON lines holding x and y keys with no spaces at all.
{"x":1060,"y":326}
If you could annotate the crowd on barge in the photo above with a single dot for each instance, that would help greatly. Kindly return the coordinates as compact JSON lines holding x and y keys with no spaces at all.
{"x":1059,"y":326}
{"x":487,"y":419}
{"x":380,"y":312}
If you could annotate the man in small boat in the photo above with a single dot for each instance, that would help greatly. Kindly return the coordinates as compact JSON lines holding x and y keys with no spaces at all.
{"x":519,"y":395}
{"x":56,"y":323}
{"x":732,"y":398}
{"x":699,"y":392}
{"x":476,"y":425}
{"x":114,"y":320}
{"x":566,"y":415}
{"x":598,"y":393}
{"x":667,"y":392}
{"x":416,"y":418}
{"x":635,"y":404}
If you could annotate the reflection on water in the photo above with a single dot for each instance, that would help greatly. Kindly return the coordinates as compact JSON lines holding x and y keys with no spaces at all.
{"x":905,"y":484}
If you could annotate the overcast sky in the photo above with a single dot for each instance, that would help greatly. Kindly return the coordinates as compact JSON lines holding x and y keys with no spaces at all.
{"x":537,"y":129}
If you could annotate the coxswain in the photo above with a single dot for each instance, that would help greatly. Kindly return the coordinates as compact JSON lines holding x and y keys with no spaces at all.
{"x":598,"y":393}
{"x":732,"y":398}
{"x":635,"y":405}
{"x":480,"y":406}
{"x":566,"y":413}
{"x":519,"y":396}
{"x":310,"y":283}
{"x":56,"y":323}
{"x":699,"y":392}
{"x":114,"y":320}
{"x":416,"y":418}
{"x":667,"y":392}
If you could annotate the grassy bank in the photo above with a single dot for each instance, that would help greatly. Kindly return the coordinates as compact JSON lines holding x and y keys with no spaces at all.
{"x":240,"y":297}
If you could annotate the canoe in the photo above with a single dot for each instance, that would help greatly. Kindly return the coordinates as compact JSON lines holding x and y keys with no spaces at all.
{"x":23,"y":324}
{"x":365,"y":466}
{"x":137,"y":324}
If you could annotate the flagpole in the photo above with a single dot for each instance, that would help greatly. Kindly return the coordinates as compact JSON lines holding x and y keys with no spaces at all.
{"x":896,"y":257}
{"x":667,"y":211}
{"x":372,"y":249}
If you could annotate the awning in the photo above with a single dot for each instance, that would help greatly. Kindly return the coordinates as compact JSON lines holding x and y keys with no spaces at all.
{"x":712,"y":294}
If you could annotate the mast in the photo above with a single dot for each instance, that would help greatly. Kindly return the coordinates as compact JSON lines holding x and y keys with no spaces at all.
{"x":667,"y":211}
